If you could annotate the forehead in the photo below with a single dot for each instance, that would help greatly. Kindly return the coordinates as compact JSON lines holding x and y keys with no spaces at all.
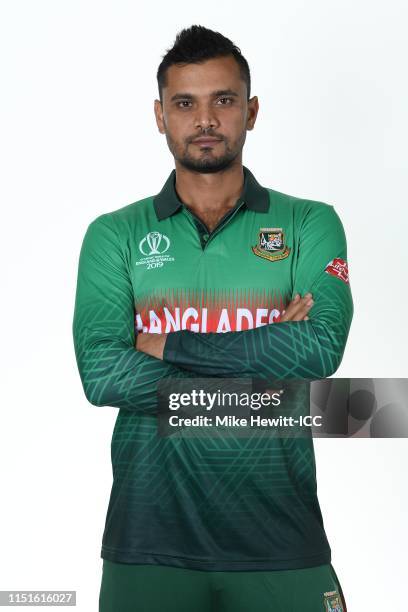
{"x":201,"y":79}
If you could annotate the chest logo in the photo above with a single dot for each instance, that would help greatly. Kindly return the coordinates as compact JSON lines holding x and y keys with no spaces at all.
{"x":271,"y":244}
{"x":154,"y":243}
{"x":154,"y":247}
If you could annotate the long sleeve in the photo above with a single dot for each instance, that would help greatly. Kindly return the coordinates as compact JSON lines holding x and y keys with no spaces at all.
{"x":112,"y":371}
{"x":305,"y":349}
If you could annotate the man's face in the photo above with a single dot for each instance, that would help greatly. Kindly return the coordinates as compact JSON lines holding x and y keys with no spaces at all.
{"x":206,"y":100}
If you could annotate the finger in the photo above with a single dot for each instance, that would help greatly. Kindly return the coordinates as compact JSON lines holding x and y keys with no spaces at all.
{"x":297,"y":312}
{"x":302,"y":311}
{"x":298,"y":317}
{"x":294,"y":304}
{"x":298,"y":301}
{"x":298,"y":309}
{"x":298,"y":297}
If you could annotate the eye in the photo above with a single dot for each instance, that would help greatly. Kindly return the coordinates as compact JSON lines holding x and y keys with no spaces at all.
{"x":229,"y":100}
{"x":182,"y":102}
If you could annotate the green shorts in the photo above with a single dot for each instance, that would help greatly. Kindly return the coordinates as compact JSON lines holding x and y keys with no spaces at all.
{"x":161,"y":588}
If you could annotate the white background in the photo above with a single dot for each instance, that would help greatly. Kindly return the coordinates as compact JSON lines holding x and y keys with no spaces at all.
{"x":78,"y":138}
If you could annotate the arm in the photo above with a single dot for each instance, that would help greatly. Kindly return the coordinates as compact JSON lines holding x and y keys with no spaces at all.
{"x":112,"y":371}
{"x":295,"y":349}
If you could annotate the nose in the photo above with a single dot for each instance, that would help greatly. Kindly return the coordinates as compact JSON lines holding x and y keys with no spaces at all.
{"x":206,"y":117}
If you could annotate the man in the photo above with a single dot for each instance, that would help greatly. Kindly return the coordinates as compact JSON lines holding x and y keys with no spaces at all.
{"x":215,"y":276}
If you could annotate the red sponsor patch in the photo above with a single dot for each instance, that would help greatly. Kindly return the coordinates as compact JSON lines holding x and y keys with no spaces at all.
{"x":338,"y":267}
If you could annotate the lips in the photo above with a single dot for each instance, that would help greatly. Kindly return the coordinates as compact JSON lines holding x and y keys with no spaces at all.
{"x":206,"y":140}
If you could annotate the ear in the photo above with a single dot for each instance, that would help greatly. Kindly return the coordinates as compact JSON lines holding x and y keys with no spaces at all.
{"x":253,"y":107}
{"x":158,"y":111}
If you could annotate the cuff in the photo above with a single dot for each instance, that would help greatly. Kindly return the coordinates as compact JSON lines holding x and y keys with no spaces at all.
{"x":172,"y":347}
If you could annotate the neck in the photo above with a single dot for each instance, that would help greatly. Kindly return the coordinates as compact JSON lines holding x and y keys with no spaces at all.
{"x":216,"y":191}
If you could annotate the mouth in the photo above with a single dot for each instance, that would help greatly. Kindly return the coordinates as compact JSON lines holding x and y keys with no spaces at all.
{"x":206,"y":142}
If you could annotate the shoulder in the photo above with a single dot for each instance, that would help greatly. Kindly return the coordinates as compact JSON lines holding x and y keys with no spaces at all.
{"x":301,"y":206}
{"x":123,"y":219}
{"x":304,"y":211}
{"x":130,"y":213}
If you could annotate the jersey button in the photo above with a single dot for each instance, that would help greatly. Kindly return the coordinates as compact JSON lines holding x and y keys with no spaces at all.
{"x":205,"y":237}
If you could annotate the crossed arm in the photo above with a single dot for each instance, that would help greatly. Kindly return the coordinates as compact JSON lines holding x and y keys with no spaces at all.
{"x":307,"y":347}
{"x":308,"y":344}
{"x":297,"y":347}
{"x":154,"y":344}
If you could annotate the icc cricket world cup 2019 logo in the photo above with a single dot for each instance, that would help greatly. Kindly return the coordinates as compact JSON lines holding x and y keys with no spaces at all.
{"x":153,"y":246}
{"x":155,"y":241}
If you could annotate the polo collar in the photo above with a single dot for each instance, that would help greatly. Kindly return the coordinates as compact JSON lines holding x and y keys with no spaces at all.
{"x":167,"y":202}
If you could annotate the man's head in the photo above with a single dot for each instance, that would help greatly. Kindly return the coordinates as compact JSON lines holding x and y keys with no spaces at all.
{"x":204,"y":88}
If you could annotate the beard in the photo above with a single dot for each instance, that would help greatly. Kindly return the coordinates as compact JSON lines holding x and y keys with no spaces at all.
{"x":206,"y":161}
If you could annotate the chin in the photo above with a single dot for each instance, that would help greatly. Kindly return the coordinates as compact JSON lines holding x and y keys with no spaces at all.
{"x":212,"y":166}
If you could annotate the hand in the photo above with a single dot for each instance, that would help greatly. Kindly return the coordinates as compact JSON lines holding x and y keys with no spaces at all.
{"x":297,"y":309}
{"x":151,"y":344}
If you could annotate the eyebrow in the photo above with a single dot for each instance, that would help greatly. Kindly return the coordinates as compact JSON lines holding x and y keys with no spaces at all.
{"x":215,"y":94}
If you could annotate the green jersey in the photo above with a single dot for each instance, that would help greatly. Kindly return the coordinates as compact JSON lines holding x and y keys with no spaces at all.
{"x":153,"y":267}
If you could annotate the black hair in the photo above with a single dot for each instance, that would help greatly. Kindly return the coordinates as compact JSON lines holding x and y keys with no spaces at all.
{"x":197,"y":44}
